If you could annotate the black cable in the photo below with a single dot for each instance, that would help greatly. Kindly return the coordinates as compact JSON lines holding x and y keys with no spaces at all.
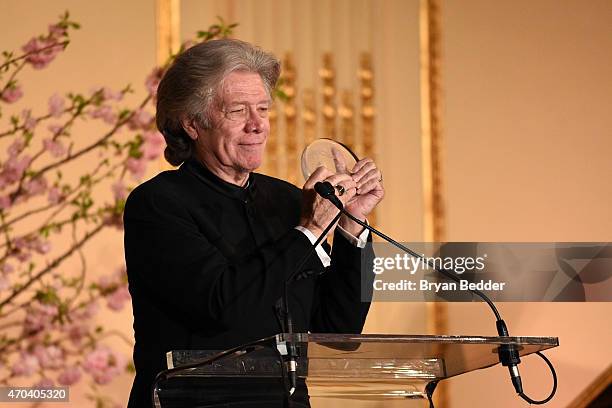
{"x":508,"y":354}
{"x":554,"y":389}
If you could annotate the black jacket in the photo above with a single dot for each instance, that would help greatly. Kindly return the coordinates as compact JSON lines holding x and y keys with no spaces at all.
{"x":206,"y":262}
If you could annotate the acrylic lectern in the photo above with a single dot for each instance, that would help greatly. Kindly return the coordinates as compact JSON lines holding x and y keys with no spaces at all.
{"x":364,"y":367}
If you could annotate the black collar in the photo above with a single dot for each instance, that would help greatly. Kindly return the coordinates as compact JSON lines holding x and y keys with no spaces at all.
{"x":199,"y":170}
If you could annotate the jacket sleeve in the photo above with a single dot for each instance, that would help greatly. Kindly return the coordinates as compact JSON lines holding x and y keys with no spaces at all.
{"x":177,"y":266}
{"x":344,"y":290}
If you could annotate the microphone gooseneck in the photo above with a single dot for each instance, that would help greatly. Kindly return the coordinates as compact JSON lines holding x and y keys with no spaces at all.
{"x":508,"y":354}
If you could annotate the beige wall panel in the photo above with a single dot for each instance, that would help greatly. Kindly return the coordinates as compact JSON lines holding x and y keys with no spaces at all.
{"x":527,"y":127}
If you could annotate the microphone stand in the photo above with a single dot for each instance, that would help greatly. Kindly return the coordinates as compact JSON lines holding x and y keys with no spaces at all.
{"x":508,"y":354}
{"x":292,"y":353}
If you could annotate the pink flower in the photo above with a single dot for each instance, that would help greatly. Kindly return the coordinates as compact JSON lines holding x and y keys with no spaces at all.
{"x":5,"y":283}
{"x":137,"y":167}
{"x":5,"y":202}
{"x":69,"y":376}
{"x":140,"y":119}
{"x":76,"y":331}
{"x":29,"y":123}
{"x":56,"y":105}
{"x":16,"y":147}
{"x":14,"y":168}
{"x":41,"y":51}
{"x":116,"y":300}
{"x":7,"y":268}
{"x":55,"y":147}
{"x":56,"y":31}
{"x":104,"y":112}
{"x":39,"y":317}
{"x":153,"y":145}
{"x":35,"y":186}
{"x":86,"y":312}
{"x":55,"y":195}
{"x":153,"y":79}
{"x":119,"y":190}
{"x":26,"y":365}
{"x":103,"y":364}
{"x":49,"y":356}
{"x":40,"y":245}
{"x":11,"y":94}
{"x":44,"y":383}
{"x":109,"y":94}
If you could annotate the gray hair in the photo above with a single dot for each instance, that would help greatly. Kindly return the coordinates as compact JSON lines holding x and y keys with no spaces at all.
{"x":191,"y":84}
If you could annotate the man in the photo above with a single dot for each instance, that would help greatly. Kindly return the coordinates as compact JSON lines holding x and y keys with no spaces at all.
{"x":209,"y":246}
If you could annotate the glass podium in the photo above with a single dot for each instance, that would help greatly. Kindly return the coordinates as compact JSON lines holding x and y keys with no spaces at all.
{"x":364,"y":367}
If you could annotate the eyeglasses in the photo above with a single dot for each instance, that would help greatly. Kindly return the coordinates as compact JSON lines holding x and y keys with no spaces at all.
{"x":240,"y":111}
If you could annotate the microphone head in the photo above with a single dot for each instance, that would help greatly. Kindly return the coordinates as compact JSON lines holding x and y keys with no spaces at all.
{"x":324,"y":189}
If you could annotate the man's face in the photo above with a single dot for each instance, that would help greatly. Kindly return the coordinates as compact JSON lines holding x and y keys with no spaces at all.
{"x":240,"y":126}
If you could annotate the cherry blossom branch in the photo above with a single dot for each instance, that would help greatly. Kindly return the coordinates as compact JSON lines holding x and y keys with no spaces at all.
{"x":62,"y":44}
{"x":52,"y":265}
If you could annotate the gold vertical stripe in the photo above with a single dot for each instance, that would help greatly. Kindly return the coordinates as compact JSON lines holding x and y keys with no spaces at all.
{"x":431,"y":142}
{"x":168,"y":22}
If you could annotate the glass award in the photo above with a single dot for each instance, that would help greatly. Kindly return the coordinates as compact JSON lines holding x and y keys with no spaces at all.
{"x":333,"y":155}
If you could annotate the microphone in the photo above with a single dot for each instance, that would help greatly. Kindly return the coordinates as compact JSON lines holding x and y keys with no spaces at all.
{"x":327,"y":191}
{"x":508,"y":354}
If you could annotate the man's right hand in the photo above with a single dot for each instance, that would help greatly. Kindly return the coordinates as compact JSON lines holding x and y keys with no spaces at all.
{"x":318,"y":212}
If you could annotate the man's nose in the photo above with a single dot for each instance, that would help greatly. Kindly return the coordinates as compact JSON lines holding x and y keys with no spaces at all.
{"x":254,"y":122}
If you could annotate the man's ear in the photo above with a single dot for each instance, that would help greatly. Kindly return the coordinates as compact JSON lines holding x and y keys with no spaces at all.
{"x":190,"y":128}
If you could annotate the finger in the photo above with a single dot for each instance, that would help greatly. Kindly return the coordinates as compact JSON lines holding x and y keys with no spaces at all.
{"x":366,"y":169}
{"x":344,"y":185}
{"x":369,"y":186}
{"x":360,"y":164}
{"x":339,"y":162}
{"x":373,"y":174}
{"x":320,"y":174}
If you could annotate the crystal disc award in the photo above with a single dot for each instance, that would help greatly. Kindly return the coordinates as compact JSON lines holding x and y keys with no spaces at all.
{"x":337,"y":157}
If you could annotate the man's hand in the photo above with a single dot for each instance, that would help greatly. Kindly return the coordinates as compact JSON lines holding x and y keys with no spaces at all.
{"x":370,"y":192}
{"x":318,"y":212}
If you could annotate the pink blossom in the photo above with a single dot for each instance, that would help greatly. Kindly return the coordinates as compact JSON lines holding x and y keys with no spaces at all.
{"x":153,"y":79}
{"x":119,"y":190}
{"x":5,"y":283}
{"x":137,"y":167}
{"x":44,"y":383}
{"x":56,"y":31}
{"x":5,"y":202}
{"x":103,"y":364}
{"x":140,"y":119}
{"x":55,"y":147}
{"x":55,"y":129}
{"x":16,"y":147}
{"x":153,"y":145}
{"x":49,"y":356}
{"x":116,"y":300}
{"x":40,"y":245}
{"x":76,"y":331}
{"x":109,"y":94}
{"x":39,"y":317}
{"x":41,"y":51}
{"x":55,"y":195}
{"x":35,"y":186}
{"x":86,"y":312}
{"x":13,"y":169}
{"x":104,"y":112}
{"x":29,"y":122}
{"x":7,"y":268}
{"x":56,"y":105}
{"x":26,"y":365}
{"x":11,"y":94}
{"x":69,"y":376}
